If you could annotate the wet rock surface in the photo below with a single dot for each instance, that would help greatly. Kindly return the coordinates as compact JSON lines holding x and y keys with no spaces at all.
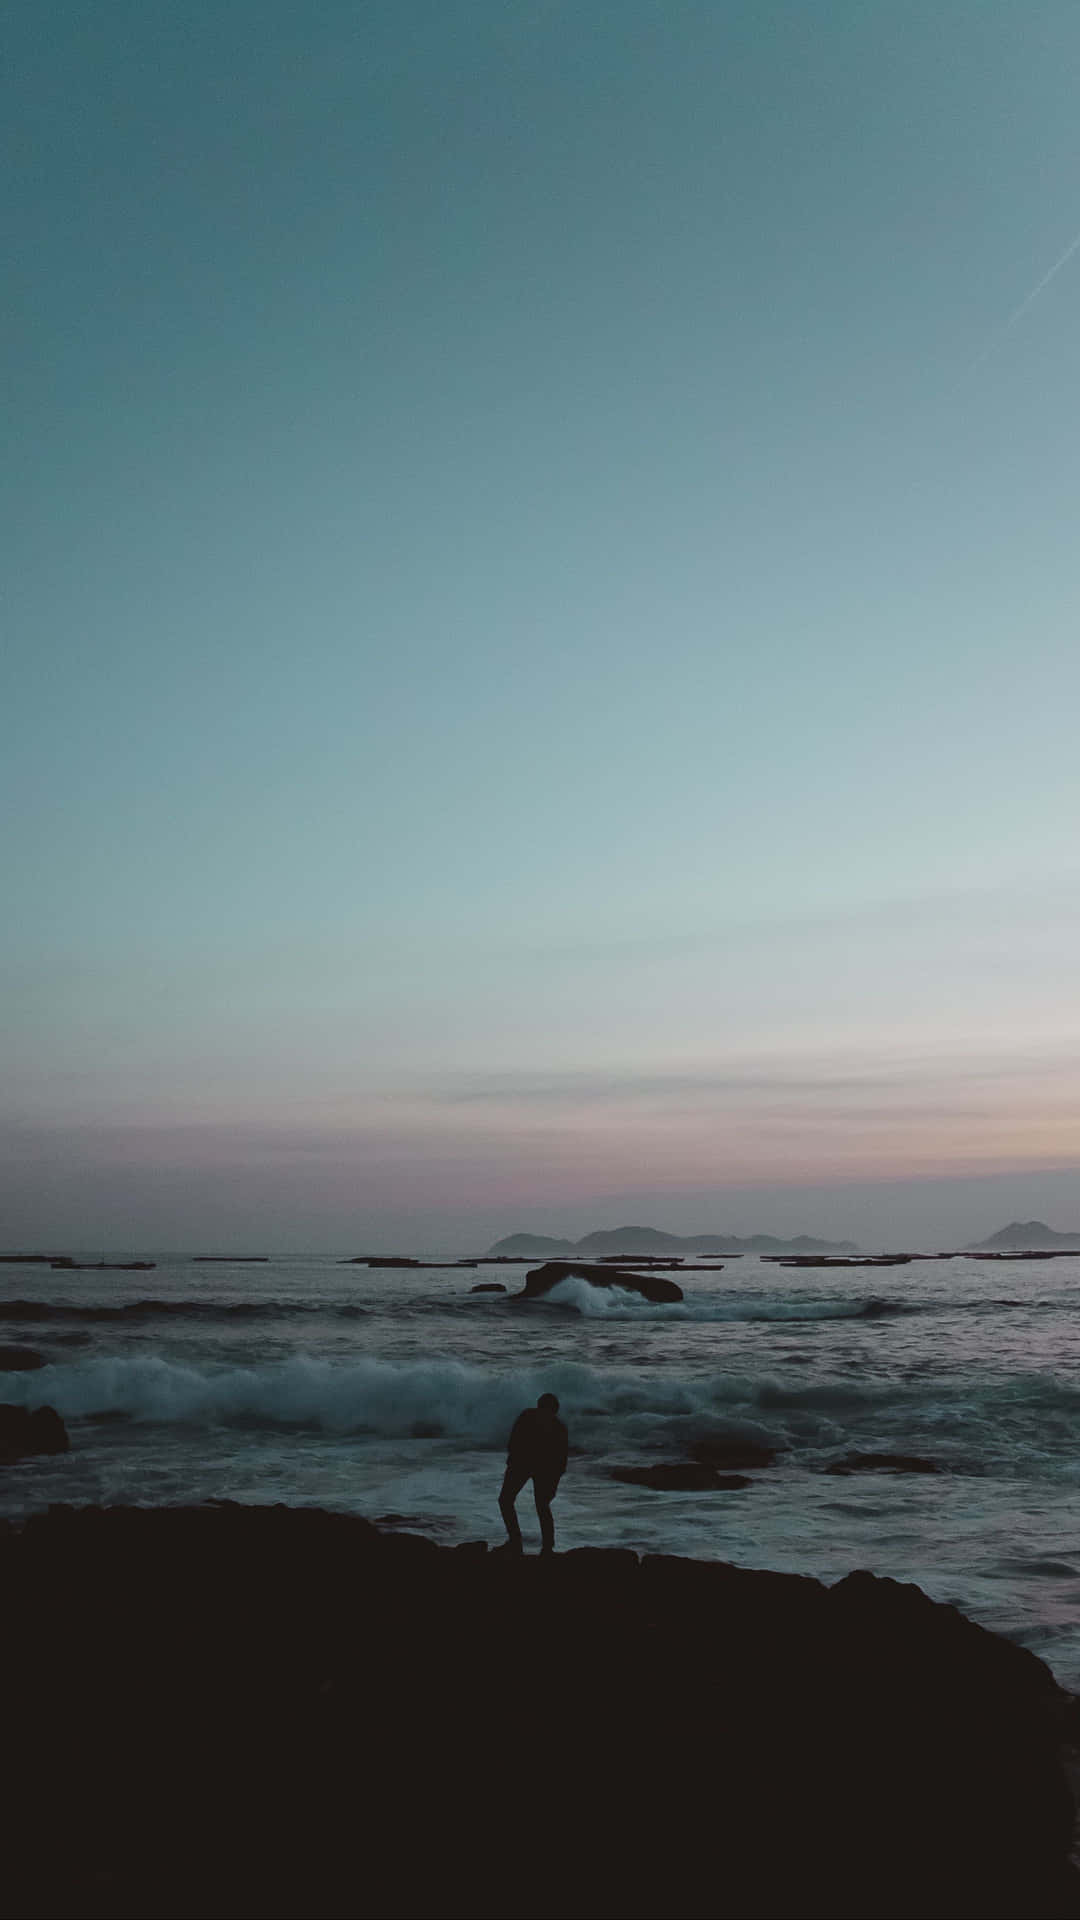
{"x":288,"y":1712}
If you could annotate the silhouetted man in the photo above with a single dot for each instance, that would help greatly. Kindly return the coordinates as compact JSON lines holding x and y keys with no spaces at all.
{"x":537,"y":1452}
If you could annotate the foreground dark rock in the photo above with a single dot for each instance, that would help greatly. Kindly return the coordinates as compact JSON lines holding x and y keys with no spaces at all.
{"x":265,"y":1711}
{"x":652,"y":1285}
{"x":23,"y":1433}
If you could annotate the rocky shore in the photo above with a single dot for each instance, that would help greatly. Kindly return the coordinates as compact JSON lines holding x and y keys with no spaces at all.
{"x":278,"y":1711}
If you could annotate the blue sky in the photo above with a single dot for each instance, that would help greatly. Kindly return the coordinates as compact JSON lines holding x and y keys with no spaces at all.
{"x":542,"y":603}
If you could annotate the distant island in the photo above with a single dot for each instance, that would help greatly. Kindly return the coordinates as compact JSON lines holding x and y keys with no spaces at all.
{"x":647,"y":1240}
{"x":1027,"y":1236}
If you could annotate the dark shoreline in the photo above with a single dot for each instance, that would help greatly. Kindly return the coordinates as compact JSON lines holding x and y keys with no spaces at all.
{"x":275,"y":1711}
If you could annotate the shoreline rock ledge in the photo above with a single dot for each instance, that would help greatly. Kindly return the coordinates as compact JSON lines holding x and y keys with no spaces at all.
{"x":272,"y":1711}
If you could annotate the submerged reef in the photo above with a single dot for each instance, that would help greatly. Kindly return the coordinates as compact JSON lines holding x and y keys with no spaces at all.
{"x":279,"y":1711}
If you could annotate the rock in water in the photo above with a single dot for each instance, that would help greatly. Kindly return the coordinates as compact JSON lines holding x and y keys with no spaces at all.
{"x":734,"y":1454}
{"x":20,"y":1360}
{"x":883,"y":1463}
{"x":488,"y":1286}
{"x":652,"y":1286}
{"x":23,"y":1433}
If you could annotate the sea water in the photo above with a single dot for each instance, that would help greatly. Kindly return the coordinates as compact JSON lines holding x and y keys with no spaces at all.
{"x":391,"y":1393}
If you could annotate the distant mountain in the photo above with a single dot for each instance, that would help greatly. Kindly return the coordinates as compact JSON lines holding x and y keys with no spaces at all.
{"x":645,"y":1240}
{"x":642,"y":1240}
{"x":1026,"y":1236}
{"x":531,"y":1246}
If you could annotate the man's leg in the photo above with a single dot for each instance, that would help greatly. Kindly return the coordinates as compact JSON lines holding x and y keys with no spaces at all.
{"x":513,"y":1481}
{"x":544,"y":1492}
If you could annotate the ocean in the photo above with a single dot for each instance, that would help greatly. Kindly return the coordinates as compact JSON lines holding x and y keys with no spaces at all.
{"x":390,"y":1393}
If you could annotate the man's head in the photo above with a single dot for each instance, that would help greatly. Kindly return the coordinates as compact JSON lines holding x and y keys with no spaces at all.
{"x":548,"y":1405}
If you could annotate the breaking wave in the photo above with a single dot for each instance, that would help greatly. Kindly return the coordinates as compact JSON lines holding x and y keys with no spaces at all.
{"x":606,"y":1409}
{"x":619,"y":1303}
{"x":42,"y":1312}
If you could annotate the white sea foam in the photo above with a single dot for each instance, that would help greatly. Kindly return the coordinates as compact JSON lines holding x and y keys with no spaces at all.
{"x":364,"y":1395}
{"x":612,"y":1303}
{"x":607,"y":1408}
{"x":380,"y":1396}
{"x":620,"y":1303}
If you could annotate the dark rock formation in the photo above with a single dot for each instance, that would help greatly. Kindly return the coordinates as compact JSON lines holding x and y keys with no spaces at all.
{"x":379,"y":1260}
{"x":291,"y":1713}
{"x":402,"y":1260}
{"x":665,"y":1263}
{"x":23,"y":1433}
{"x":488,"y":1286}
{"x":654,"y":1286}
{"x":883,"y":1463}
{"x":1056,"y":1253}
{"x":839,"y":1260}
{"x":66,"y":1264}
{"x":686,"y":1476}
{"x":20,"y":1360}
{"x":732,"y":1454}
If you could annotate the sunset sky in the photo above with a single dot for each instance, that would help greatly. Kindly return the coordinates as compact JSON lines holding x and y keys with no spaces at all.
{"x":541,"y":619}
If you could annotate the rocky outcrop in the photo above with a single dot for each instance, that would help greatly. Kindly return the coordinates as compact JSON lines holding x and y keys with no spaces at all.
{"x":20,"y":1360}
{"x":23,"y":1433}
{"x":653,"y":1286}
{"x":733,"y":1454}
{"x":883,"y":1463}
{"x":488,"y":1286}
{"x":401,"y":1260}
{"x":299,"y":1714}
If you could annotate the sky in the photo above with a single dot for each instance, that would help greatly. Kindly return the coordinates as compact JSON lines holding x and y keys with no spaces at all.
{"x":540,"y":616}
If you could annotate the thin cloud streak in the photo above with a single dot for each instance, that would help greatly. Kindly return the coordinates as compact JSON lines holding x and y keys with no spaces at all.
{"x":1027,"y":302}
{"x":818,"y":1082}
